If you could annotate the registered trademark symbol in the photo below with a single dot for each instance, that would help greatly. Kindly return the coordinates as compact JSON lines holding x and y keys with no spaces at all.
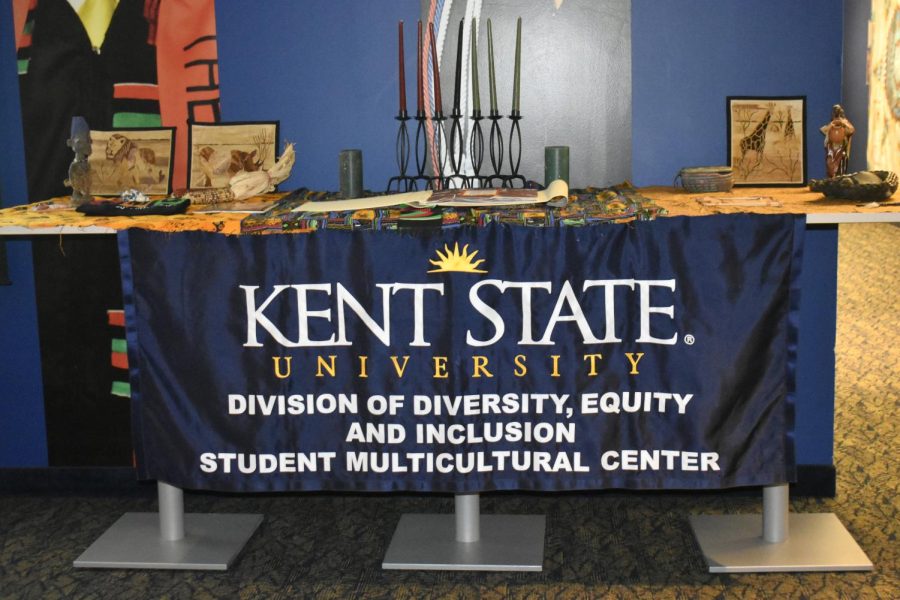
{"x":689,"y":340}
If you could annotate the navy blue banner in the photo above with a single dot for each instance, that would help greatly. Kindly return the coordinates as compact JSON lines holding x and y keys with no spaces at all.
{"x":647,"y":355}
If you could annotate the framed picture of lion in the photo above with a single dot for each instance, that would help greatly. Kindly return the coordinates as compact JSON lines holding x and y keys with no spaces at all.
{"x":766,"y":141}
{"x":139,"y":159}
{"x":218,"y":151}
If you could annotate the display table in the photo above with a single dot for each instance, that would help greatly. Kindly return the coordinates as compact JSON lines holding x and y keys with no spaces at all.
{"x":24,"y":221}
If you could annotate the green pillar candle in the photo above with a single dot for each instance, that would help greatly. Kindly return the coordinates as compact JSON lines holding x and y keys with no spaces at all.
{"x":350,"y":168}
{"x":556,"y":164}
{"x":476,"y":98}
{"x":492,"y":78}
{"x":517,"y":78}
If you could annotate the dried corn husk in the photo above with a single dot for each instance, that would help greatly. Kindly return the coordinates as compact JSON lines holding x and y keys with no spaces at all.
{"x":248,"y":184}
{"x":281,"y":170}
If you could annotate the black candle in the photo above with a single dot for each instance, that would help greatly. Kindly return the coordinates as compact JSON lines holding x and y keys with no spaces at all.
{"x":476,"y":99}
{"x":402,"y":72}
{"x":459,"y":49}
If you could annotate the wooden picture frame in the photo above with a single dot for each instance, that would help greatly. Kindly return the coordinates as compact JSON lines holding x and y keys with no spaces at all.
{"x":767,"y":140}
{"x":140,"y":158}
{"x":217,"y":151}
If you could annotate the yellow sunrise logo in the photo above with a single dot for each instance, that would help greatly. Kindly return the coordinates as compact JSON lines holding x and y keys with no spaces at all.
{"x":454,"y":260}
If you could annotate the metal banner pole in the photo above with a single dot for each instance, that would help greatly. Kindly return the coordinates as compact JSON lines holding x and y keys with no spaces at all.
{"x":171,"y":512}
{"x":468,"y":518}
{"x":775,"y":514}
{"x":777,"y":541}
{"x":467,"y":540}
{"x":171,"y":539}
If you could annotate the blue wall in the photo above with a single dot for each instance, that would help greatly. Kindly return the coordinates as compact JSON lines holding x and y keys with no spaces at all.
{"x":689,"y":55}
{"x":327,"y":70}
{"x":23,"y":438}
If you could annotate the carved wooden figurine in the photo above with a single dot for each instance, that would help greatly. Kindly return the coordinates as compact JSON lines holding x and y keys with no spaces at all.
{"x":838,"y":134}
{"x":80,"y":169}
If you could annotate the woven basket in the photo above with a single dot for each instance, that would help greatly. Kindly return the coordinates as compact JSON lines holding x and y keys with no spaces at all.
{"x":706,"y":179}
{"x":866,"y":185}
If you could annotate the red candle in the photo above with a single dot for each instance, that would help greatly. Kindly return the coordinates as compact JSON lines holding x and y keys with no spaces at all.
{"x":420,"y":93}
{"x":438,"y":105}
{"x":402,"y":72}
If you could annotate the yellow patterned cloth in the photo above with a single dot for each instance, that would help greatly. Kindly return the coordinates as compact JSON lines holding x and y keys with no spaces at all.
{"x":59,"y":216}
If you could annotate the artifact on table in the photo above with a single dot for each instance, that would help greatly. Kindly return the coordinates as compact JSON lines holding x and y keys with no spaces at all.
{"x":120,"y":207}
{"x":557,"y":191}
{"x":219,"y":151}
{"x":132,"y":158}
{"x":838,"y":136}
{"x":738,"y":201}
{"x":706,"y":179}
{"x":247,"y":184}
{"x":80,"y":169}
{"x":864,"y":185}
{"x":206,"y":196}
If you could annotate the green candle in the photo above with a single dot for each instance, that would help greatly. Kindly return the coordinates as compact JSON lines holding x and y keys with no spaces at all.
{"x":516,"y":76}
{"x":556,"y":164}
{"x":476,"y":98}
{"x":492,"y":79}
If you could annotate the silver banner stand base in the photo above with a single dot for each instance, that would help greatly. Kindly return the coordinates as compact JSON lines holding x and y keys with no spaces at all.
{"x":171,"y":539}
{"x":467,"y":541}
{"x":761,"y":544}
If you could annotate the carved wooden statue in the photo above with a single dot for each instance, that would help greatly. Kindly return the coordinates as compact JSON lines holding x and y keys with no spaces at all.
{"x":838,"y":134}
{"x":80,"y":170}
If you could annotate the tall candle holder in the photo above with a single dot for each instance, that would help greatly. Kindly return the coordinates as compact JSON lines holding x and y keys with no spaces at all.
{"x":495,"y":146}
{"x":515,"y":152}
{"x":476,"y":137}
{"x":476,"y":151}
{"x":456,"y":150}
{"x":404,"y":183}
{"x":439,"y":158}
{"x":421,"y":152}
{"x":515,"y":133}
{"x":401,"y":144}
{"x":438,"y":181}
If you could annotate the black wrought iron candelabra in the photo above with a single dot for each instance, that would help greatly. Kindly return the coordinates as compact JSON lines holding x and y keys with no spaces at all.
{"x":402,"y":182}
{"x":438,"y":180}
{"x":515,"y":153}
{"x":498,"y":150}
{"x":476,"y":151}
{"x":421,"y":150}
{"x":456,"y":151}
{"x":495,"y":146}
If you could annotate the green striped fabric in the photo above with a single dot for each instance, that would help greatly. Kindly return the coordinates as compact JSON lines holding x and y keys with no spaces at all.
{"x":129,"y":120}
{"x":22,"y":65}
{"x":119,"y":345}
{"x":121,"y":388}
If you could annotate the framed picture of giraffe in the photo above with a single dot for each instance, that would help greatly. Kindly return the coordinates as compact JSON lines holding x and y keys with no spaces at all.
{"x":766,"y":141}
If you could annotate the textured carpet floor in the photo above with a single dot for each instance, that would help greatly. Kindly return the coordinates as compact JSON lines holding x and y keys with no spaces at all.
{"x":602,"y":545}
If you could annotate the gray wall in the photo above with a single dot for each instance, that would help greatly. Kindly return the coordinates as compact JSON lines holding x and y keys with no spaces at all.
{"x":854,"y":91}
{"x":576,"y":81}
